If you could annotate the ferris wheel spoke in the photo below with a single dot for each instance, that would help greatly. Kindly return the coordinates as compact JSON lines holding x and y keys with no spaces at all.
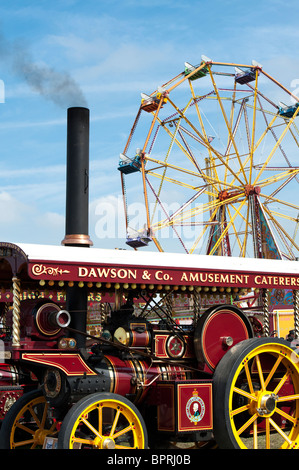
{"x":247,"y":225}
{"x":292,"y":129}
{"x":223,"y":234}
{"x":253,"y":148}
{"x":202,"y":126}
{"x":235,"y":232}
{"x":202,"y":233}
{"x":274,"y":199}
{"x":207,"y":144}
{"x":168,"y":217}
{"x":276,"y":145}
{"x":278,"y":225}
{"x":206,"y":177}
{"x":275,"y":138}
{"x":253,"y":126}
{"x":166,"y":158}
{"x":231,"y":135}
{"x":289,"y":174}
{"x":247,"y":230}
{"x":287,"y":181}
{"x":184,"y":206}
{"x":231,"y":141}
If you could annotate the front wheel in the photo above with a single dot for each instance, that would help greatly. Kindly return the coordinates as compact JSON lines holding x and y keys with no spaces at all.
{"x":256,"y":396}
{"x":103,"y":421}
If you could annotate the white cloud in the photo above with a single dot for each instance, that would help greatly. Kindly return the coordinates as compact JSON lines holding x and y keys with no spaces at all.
{"x":12,"y":210}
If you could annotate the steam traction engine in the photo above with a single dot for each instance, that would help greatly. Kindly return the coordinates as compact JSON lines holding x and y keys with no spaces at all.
{"x":221,"y":378}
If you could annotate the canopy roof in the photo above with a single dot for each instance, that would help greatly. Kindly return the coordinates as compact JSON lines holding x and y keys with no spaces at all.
{"x":65,"y":263}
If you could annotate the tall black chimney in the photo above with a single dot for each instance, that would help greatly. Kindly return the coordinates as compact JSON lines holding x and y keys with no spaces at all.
{"x":77,"y":199}
{"x":77,"y":179}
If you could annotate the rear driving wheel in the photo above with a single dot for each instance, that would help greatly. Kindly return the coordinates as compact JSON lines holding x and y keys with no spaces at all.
{"x":256,"y":396}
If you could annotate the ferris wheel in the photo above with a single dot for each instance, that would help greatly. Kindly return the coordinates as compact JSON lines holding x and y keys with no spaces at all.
{"x":211,"y":164}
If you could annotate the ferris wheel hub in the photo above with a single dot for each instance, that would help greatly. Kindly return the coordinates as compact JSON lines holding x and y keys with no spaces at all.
{"x":250,"y":190}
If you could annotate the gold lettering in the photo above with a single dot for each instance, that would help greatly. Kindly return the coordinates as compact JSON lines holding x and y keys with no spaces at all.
{"x":132,"y":274}
{"x":82,"y":272}
{"x":113,"y":273}
{"x":103,"y":272}
{"x":122,"y":273}
{"x":183,"y":278}
{"x":194,"y":277}
{"x":224,"y":278}
{"x":92,"y":273}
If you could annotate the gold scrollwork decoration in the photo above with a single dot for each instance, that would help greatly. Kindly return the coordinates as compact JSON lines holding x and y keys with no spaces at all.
{"x":40,"y":269}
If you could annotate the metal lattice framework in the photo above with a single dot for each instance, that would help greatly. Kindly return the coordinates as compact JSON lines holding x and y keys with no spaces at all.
{"x":210,"y":164}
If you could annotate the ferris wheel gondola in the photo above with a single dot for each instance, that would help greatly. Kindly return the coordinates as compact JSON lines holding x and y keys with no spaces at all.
{"x":215,"y":166}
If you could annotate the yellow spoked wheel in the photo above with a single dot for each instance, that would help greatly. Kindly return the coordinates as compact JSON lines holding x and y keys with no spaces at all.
{"x":256,"y":396}
{"x":27,"y":423}
{"x":103,"y":421}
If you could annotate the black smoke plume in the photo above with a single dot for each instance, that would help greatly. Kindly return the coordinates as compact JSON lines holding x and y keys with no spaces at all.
{"x":56,"y":86}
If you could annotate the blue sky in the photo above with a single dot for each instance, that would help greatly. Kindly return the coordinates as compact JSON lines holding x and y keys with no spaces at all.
{"x":109,"y":51}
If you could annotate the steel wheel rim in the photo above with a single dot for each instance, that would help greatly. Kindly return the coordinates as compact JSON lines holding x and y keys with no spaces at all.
{"x":260,"y":404}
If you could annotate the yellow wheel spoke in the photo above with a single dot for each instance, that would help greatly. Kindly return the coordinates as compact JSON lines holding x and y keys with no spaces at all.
{"x":79,"y":440}
{"x":25,"y":428}
{"x":91,"y":427}
{"x":237,"y":411}
{"x":273,"y":370}
{"x":115,"y":422}
{"x":282,"y":382}
{"x":34,"y":416}
{"x":249,"y":381}
{"x":280,"y":431}
{"x":267,"y":433}
{"x":248,"y":423}
{"x":24,"y":443}
{"x":288,"y":397}
{"x":242,"y":392}
{"x":122,"y":432}
{"x":286,"y":416}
